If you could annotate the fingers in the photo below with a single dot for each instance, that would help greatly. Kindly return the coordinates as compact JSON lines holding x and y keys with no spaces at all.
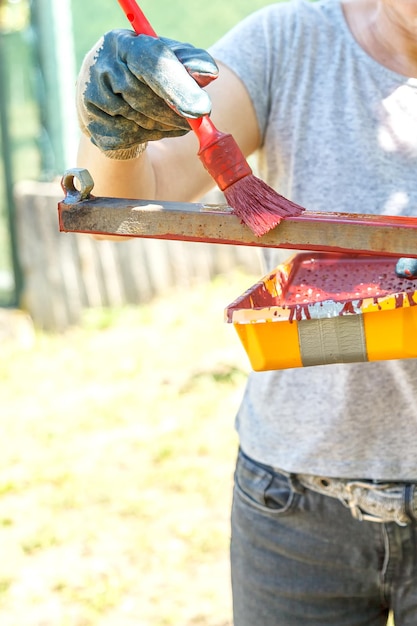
{"x":199,"y":64}
{"x":406,"y":268}
{"x":155,"y":63}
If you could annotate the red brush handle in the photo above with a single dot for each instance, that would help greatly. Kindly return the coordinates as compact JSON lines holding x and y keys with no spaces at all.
{"x":203,"y":127}
{"x":137,"y":18}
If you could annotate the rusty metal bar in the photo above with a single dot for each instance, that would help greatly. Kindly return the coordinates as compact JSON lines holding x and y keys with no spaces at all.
{"x":336,"y":232}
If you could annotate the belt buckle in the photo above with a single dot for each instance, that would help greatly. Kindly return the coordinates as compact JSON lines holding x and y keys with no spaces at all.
{"x":360,"y":512}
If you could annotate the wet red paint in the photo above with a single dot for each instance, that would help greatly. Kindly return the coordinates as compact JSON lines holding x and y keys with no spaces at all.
{"x":299,"y":312}
{"x":340,"y":278}
{"x":344,"y":279}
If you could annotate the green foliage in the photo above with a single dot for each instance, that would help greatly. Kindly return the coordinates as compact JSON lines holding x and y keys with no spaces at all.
{"x":201,"y":23}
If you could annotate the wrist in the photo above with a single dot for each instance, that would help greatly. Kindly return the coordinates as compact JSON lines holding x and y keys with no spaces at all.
{"x":124,"y":154}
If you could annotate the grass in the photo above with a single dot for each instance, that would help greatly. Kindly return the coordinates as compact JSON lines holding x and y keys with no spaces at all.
{"x":116,"y":466}
{"x":118,"y":449}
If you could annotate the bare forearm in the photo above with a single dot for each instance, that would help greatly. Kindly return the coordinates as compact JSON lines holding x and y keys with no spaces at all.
{"x":117,"y":178}
{"x":167,"y":170}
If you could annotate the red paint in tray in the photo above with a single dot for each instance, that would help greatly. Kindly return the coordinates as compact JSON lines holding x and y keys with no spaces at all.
{"x":307,"y":280}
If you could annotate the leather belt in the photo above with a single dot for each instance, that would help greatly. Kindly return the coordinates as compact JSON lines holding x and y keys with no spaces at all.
{"x":368,"y":500}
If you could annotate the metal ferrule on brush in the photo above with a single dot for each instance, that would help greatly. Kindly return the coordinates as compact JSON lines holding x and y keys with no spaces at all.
{"x":224,"y":161}
{"x":219,"y":153}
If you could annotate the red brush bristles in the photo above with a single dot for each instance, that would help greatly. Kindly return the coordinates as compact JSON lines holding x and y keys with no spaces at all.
{"x":258,"y":205}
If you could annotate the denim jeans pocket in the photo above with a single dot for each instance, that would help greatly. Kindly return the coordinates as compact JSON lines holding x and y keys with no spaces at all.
{"x":263,"y":488}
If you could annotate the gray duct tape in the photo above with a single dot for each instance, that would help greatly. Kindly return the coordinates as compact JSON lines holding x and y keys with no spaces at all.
{"x":333,"y":340}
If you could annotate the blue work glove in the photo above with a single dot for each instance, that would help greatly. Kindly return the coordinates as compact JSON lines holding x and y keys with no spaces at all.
{"x":133,"y":88}
{"x":406,"y":268}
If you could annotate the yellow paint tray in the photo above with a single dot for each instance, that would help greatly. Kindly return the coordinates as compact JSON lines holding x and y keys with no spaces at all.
{"x":322,"y":308}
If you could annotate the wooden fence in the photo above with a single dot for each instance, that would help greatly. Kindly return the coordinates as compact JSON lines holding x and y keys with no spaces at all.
{"x":65,"y":273}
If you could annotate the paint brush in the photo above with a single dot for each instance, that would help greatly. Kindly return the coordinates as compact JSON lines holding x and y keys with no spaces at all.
{"x":259,"y":206}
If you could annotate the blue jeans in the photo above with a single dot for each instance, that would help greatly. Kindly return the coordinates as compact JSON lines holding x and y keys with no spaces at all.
{"x":299,"y":558}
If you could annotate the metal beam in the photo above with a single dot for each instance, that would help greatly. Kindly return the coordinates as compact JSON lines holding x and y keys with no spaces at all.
{"x":334,"y":232}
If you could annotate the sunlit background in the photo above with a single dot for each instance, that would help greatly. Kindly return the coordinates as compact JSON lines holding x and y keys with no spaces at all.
{"x":42,"y":44}
{"x":119,"y":380}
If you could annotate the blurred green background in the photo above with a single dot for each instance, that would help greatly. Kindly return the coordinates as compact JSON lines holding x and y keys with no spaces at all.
{"x":42,"y":44}
{"x":198,"y":22}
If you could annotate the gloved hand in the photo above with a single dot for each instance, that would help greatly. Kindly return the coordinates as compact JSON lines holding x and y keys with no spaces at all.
{"x":406,"y":268}
{"x":133,"y":88}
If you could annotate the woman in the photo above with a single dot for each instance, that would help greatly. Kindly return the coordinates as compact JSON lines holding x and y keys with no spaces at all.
{"x":324,"y":513}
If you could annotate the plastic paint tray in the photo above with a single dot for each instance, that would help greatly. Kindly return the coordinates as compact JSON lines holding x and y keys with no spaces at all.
{"x":324,"y":308}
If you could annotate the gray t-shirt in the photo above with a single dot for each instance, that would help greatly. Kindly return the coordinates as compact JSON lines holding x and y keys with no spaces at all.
{"x":339,"y":133}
